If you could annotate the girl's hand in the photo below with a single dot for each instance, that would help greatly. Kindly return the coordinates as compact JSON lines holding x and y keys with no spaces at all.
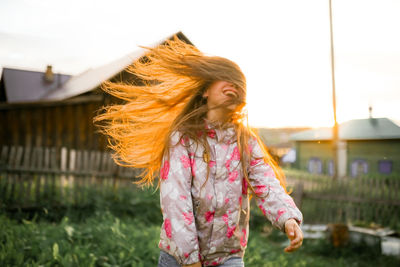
{"x":197,"y":264}
{"x":294,"y":233}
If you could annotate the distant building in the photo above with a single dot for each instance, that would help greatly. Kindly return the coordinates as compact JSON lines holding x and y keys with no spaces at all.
{"x":278,"y":142}
{"x":367,"y":146}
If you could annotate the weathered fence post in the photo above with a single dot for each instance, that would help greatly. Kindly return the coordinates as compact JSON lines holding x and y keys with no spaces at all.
{"x":298,"y":193}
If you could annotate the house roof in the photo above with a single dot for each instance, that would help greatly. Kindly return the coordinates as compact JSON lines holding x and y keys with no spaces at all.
{"x":278,"y":137}
{"x":93,"y":77}
{"x":28,"y":86}
{"x":360,"y":129}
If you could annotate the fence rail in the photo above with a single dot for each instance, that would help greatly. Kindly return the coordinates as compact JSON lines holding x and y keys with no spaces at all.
{"x":30,"y":176}
{"x":362,"y":199}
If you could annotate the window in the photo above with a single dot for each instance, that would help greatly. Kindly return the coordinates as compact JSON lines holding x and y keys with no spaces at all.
{"x":331,"y":168}
{"x":359,"y":167}
{"x":315,"y":165}
{"x":385,"y":166}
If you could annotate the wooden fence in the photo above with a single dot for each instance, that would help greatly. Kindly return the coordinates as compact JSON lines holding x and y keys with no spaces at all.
{"x":348,"y":200}
{"x":49,"y":176}
{"x":32,"y":176}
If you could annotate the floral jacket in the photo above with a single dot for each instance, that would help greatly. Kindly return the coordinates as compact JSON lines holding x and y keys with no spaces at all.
{"x":212,"y":224}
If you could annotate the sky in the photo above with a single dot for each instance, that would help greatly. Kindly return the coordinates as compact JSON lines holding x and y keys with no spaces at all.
{"x":283,"y":48}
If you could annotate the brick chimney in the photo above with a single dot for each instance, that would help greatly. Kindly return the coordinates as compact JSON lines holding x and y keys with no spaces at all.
{"x":49,"y":75}
{"x":370,"y":111}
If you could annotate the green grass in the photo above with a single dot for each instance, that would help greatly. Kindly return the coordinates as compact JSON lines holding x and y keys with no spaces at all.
{"x":100,"y":240}
{"x":106,"y":240}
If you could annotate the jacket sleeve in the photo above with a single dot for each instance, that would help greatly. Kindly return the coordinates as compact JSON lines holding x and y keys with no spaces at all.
{"x":178,"y":232}
{"x":273,"y":201}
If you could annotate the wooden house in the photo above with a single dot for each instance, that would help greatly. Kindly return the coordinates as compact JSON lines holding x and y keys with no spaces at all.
{"x":46,"y":109}
{"x":367,"y":146}
{"x":51,"y":153}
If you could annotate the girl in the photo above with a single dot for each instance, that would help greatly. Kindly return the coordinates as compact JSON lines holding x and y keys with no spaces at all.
{"x":185,"y":124}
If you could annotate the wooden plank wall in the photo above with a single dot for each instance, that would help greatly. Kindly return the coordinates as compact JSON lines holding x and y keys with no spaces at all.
{"x":59,"y":125}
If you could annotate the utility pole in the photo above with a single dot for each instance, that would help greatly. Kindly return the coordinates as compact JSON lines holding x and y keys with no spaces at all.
{"x":335,"y":129}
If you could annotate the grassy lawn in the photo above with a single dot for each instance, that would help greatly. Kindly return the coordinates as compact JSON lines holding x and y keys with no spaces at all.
{"x":124,"y":231}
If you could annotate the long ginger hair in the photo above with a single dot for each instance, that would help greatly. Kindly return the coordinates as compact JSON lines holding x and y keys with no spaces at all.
{"x":169,"y":98}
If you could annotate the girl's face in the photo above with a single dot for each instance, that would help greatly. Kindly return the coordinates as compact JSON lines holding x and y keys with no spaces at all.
{"x":219,"y":92}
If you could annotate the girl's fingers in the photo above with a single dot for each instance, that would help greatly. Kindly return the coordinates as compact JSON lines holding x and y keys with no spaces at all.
{"x":298,"y":236}
{"x":290,"y":228}
{"x":293,"y":247}
{"x":297,"y":240}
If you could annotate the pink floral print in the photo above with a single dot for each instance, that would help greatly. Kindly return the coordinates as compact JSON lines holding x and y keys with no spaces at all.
{"x":233,"y":176}
{"x":211,"y":133}
{"x":196,"y":218}
{"x":243,"y":239}
{"x":235,"y":154}
{"x":165,"y":170}
{"x":262,"y":209}
{"x":280,"y":212}
{"x":188,"y":217}
{"x":254,"y":162}
{"x":209,"y":216}
{"x":259,"y":189}
{"x":167,"y":228}
{"x":244,"y":186}
{"x":185,"y":161}
{"x":233,"y":251}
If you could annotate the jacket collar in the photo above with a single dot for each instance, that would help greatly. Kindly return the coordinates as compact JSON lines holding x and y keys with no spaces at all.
{"x":215,"y":130}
